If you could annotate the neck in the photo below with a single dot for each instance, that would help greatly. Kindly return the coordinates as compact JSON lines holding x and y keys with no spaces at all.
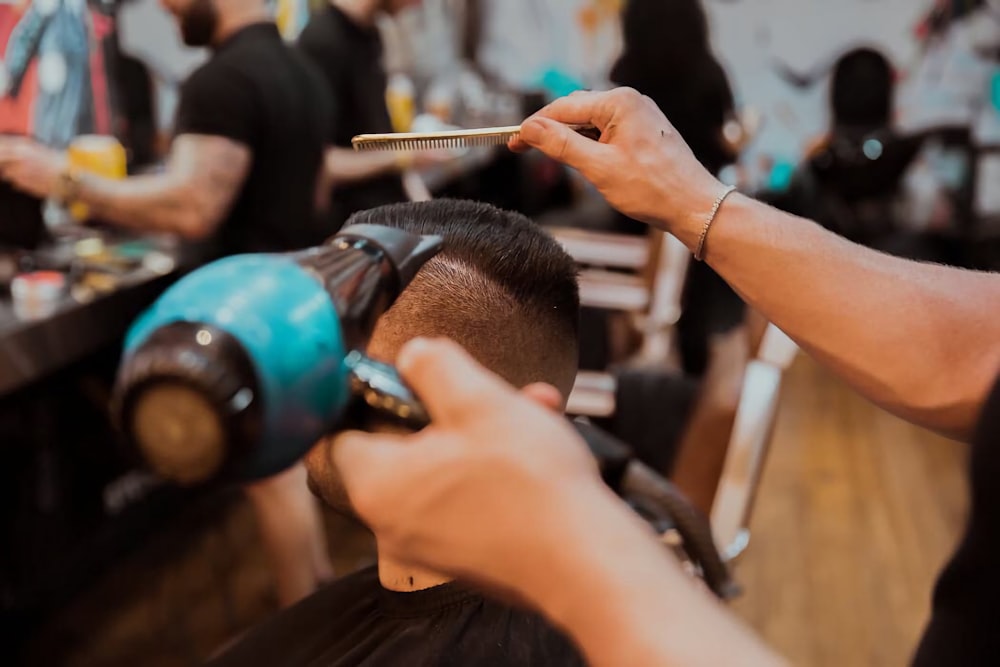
{"x":361,"y":12}
{"x":238,"y":18}
{"x":395,"y":576}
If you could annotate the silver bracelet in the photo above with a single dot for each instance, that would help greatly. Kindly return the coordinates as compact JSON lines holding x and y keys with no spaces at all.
{"x":699,"y":253}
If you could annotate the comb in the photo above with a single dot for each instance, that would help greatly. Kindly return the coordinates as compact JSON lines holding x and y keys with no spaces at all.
{"x":416,"y":141}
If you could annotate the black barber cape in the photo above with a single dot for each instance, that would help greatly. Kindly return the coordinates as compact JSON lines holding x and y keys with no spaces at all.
{"x":354,"y":621}
{"x":259,"y":92}
{"x":350,"y":57}
{"x":965,"y":622}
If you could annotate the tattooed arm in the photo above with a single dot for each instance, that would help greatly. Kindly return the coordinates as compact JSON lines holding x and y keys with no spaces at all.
{"x":203,"y":176}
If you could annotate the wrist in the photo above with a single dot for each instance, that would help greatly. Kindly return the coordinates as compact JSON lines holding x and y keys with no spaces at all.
{"x":585,"y":554}
{"x":694,"y":209}
{"x":66,"y":190}
{"x":614,"y":588}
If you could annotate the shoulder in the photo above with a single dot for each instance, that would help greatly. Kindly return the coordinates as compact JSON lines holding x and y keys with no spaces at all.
{"x":215,"y":76}
{"x":323,"y":35}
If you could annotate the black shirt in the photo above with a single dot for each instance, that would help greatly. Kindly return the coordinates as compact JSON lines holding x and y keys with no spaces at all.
{"x":350,"y":57}
{"x":354,"y":621}
{"x":262,"y":94}
{"x":965,"y":622}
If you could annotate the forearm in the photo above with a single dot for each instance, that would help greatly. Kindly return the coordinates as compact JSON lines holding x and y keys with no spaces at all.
{"x":921,"y":340}
{"x":344,"y":165}
{"x":154,"y":203}
{"x":625,"y":600}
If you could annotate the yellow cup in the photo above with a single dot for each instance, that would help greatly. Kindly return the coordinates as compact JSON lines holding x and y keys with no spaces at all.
{"x":400,"y":98}
{"x":98,"y":155}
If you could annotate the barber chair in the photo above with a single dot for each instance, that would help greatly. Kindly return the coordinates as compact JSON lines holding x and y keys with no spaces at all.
{"x":595,"y":396}
{"x":681,"y":526}
{"x":639,"y":275}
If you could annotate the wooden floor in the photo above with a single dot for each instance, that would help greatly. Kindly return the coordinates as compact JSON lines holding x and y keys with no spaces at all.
{"x":856,"y":514}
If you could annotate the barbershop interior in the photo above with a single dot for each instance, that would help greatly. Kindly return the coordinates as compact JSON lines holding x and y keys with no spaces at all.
{"x":222,"y":220}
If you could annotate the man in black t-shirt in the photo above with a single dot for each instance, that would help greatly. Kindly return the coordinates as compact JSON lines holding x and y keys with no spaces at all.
{"x":506,"y":292}
{"x":344,"y":43}
{"x":244,"y":163}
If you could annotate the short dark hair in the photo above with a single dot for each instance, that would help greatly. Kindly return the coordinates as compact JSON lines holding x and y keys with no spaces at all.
{"x":665,"y":44}
{"x":501,"y":287}
{"x":862,"y":89}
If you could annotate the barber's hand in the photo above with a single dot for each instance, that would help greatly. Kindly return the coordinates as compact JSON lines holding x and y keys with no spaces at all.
{"x":483,"y":491}
{"x":641,"y":165}
{"x":30,"y":166}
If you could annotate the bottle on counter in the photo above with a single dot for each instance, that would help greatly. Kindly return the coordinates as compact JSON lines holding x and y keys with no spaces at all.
{"x":99,"y":155}
{"x":400,"y":98}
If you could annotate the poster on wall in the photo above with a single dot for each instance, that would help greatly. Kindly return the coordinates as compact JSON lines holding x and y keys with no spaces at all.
{"x":54,"y":69}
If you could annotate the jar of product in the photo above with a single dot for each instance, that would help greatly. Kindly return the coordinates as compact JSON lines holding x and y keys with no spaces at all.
{"x":37,"y":294}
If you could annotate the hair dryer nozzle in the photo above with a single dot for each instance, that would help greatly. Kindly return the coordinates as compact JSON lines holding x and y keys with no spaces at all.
{"x":406,"y":252}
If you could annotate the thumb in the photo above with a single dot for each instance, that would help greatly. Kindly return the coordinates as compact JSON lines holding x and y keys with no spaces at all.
{"x":365,"y":463}
{"x":562,"y":143}
{"x":449,"y":382}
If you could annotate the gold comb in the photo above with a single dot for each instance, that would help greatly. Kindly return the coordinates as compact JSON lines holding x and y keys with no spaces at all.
{"x":417,"y":141}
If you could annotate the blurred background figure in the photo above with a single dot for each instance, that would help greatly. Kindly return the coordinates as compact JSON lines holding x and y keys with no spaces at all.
{"x":343,"y":41}
{"x":853,"y":178}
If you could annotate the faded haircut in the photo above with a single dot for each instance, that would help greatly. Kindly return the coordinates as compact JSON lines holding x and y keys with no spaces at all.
{"x":501,"y":287}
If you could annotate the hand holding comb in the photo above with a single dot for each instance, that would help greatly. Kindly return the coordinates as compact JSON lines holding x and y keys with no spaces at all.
{"x":416,"y":141}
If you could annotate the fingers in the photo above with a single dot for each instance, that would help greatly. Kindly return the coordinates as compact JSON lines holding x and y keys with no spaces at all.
{"x":14,"y":147}
{"x":451,"y":385}
{"x":8,"y":151}
{"x":561,"y":143}
{"x":581,"y":108}
{"x":360,"y":458}
{"x":545,"y":395}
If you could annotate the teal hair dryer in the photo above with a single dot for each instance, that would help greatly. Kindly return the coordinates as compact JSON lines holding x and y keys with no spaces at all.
{"x":238,"y":368}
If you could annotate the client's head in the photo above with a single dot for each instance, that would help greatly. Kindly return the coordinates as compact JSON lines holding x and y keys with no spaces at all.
{"x":501,"y":287}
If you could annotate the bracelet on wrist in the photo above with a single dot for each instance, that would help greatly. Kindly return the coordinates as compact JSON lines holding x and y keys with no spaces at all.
{"x":699,"y":253}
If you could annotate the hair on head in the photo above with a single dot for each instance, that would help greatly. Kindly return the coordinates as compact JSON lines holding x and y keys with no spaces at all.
{"x":501,"y":287}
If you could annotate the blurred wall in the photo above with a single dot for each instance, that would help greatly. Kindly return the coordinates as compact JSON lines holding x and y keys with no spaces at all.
{"x":150,"y":34}
{"x":757,"y":39}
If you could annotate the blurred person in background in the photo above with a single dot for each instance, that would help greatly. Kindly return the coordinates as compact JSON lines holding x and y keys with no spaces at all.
{"x":342,"y":40}
{"x":668,"y":57}
{"x":857,"y":178}
{"x":242,"y":176}
{"x":858,"y":167}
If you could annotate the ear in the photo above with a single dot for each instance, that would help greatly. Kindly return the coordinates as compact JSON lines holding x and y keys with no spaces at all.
{"x":545,"y":395}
